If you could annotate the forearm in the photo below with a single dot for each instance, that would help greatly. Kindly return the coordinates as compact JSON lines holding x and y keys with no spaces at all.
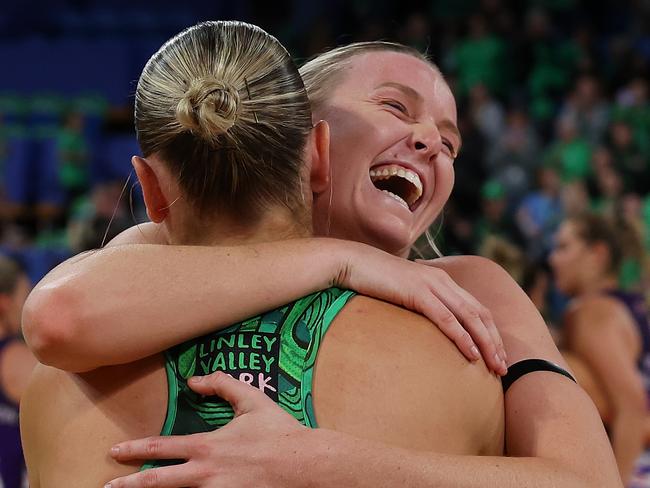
{"x":627,"y":440}
{"x":127,"y":302}
{"x":343,"y":461}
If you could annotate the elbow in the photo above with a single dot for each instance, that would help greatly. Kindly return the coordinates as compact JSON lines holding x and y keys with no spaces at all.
{"x":49,"y":323}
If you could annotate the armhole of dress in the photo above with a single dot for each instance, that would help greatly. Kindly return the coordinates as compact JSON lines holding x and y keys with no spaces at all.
{"x":308,"y":372}
{"x":172,"y":403}
{"x":172,"y":394}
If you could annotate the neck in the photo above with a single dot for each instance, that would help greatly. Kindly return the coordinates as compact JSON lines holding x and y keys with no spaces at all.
{"x":597,"y":285}
{"x":275,"y":225}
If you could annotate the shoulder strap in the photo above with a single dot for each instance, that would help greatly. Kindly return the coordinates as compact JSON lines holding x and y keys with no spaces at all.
{"x":339,"y":298}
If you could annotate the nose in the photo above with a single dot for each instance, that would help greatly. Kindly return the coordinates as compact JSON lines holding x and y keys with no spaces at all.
{"x":426,"y":139}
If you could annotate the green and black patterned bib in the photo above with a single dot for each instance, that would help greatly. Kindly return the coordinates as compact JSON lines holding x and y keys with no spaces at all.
{"x":274,"y":352}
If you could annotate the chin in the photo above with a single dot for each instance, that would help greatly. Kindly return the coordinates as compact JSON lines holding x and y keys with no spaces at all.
{"x":565,"y":288}
{"x":389,"y":236}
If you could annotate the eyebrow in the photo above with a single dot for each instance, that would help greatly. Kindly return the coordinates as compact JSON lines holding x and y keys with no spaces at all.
{"x":407,"y":90}
{"x":413,"y":94}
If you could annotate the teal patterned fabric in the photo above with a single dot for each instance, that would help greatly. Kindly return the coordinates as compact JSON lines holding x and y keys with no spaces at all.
{"x":275,"y":352}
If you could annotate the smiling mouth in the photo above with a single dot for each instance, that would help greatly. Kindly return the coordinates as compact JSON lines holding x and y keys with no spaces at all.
{"x":400,"y":183}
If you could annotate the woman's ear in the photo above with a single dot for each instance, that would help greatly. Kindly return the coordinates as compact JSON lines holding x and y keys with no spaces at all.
{"x":320,"y":157}
{"x":154,"y":198}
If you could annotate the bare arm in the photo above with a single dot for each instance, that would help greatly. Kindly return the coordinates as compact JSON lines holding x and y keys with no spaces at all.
{"x":287,"y":454}
{"x":554,"y":436}
{"x":597,"y":336}
{"x":548,"y":418}
{"x":129,"y":301}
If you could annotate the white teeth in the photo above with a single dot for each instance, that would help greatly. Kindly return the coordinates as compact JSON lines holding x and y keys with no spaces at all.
{"x":396,"y":197}
{"x":402,"y":172}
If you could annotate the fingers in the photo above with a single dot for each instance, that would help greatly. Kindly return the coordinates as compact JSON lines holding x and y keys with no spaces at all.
{"x":436,"y":311}
{"x":243,"y":397}
{"x":471,"y":327}
{"x":484,"y":331}
{"x":175,"y":447}
{"x":496,"y":337}
{"x":178,"y":476}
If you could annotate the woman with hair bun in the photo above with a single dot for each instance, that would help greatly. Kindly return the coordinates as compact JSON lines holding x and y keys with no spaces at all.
{"x":224,"y":124}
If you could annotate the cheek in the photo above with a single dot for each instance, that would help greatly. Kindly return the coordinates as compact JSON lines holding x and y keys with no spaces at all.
{"x":445,"y":176}
{"x":568,"y":264}
{"x":444,"y":184}
{"x":443,"y":180}
{"x":563,"y":258}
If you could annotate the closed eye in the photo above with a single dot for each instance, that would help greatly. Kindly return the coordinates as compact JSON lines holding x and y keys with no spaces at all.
{"x":397,"y":106}
{"x":450,"y":146}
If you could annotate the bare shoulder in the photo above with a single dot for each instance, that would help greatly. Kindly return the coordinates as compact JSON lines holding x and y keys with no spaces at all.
{"x":599,"y":311}
{"x":145,"y":233}
{"x":88,"y":413}
{"x":479,"y":275}
{"x":593,"y":322}
{"x":522,"y":328}
{"x":380,"y":373}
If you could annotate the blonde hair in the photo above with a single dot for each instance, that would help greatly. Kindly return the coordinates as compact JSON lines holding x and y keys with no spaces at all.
{"x":224,"y":106}
{"x":325,"y":71}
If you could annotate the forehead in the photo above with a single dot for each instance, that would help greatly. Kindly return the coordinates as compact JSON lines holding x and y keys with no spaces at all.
{"x":365,"y":72}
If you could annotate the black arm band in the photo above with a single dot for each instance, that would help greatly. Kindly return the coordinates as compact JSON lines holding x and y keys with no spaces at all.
{"x":526,"y":366}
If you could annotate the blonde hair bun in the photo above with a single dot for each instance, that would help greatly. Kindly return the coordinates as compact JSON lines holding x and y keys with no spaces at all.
{"x":208,"y":108}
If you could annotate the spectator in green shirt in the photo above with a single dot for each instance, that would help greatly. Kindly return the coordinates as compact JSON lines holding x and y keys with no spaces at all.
{"x":570,"y":155}
{"x":73,"y":156}
{"x":481,"y":59}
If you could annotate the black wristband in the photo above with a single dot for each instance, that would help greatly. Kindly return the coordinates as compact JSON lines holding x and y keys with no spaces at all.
{"x":526,"y":366}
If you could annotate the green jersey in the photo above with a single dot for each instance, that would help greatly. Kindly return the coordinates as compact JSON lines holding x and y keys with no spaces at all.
{"x":275,"y":352}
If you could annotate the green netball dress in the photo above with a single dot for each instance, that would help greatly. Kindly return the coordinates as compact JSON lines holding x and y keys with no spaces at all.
{"x":274,"y":352}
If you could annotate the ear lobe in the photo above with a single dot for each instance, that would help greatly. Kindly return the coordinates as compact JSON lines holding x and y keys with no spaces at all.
{"x":154,"y":198}
{"x":320,"y":161}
